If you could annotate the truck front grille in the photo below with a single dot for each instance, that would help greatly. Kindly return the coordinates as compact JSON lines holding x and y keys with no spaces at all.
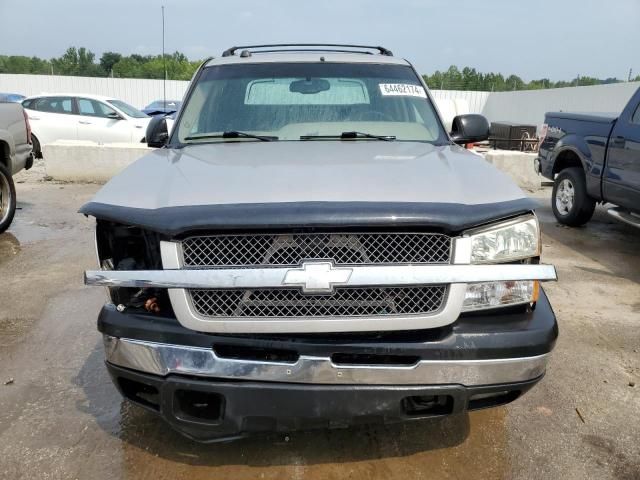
{"x":345,"y":301}
{"x":292,"y":249}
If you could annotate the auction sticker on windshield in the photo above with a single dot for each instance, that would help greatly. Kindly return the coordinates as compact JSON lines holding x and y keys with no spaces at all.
{"x":402,"y":89}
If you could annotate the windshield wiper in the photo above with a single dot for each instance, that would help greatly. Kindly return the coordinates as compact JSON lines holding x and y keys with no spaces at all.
{"x":232,"y":134}
{"x":349,"y":136}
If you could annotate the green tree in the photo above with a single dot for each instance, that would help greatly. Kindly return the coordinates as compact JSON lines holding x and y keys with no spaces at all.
{"x":76,"y":61}
{"x":108,"y":60}
{"x":514,"y":82}
{"x":539,"y":84}
{"x":127,"y":67}
{"x":21,"y":64}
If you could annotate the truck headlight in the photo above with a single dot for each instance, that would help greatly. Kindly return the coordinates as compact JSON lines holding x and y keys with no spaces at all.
{"x":505,"y":242}
{"x":510,"y":241}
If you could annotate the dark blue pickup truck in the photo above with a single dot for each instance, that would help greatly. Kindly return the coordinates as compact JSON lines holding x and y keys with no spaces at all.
{"x":591,"y":159}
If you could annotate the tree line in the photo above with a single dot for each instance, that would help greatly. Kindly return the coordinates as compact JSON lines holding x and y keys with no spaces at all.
{"x":470,"y":79}
{"x":82,"y":62}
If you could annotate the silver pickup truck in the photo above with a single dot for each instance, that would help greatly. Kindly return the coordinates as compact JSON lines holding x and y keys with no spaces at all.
{"x":15,"y":154}
{"x":310,"y":248}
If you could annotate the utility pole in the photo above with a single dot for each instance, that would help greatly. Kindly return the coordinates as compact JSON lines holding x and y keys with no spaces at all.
{"x":164,"y":64}
{"x":630,"y":74}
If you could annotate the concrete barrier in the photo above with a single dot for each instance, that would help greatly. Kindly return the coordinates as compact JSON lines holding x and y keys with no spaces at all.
{"x":80,"y":161}
{"x":76,"y":161}
{"x":518,"y":165}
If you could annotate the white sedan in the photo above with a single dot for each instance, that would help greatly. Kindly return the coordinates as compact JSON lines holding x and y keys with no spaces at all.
{"x":83,"y":117}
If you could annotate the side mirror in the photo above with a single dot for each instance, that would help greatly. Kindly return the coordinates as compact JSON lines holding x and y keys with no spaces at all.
{"x":469,"y":128}
{"x":114,"y":116}
{"x":157,"y":134}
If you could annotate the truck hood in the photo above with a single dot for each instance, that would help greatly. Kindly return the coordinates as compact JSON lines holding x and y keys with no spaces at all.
{"x":267,"y":175}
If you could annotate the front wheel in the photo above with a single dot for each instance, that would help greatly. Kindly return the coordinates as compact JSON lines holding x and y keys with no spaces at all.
{"x":37,"y":149}
{"x":7,"y":198}
{"x":570,"y":202}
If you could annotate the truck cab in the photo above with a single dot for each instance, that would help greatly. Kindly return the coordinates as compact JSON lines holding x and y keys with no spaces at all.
{"x":593,"y":158}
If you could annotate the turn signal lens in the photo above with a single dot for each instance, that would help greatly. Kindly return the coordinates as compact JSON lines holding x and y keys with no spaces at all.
{"x":481,"y":296}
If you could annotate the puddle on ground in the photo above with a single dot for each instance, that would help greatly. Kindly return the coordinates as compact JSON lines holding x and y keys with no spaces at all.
{"x":461,"y":446}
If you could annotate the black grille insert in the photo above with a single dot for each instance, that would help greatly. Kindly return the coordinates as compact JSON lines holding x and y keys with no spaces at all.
{"x":293,"y":249}
{"x":345,"y":301}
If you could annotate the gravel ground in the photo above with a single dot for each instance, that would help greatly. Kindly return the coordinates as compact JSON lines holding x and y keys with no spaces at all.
{"x":60,"y":416}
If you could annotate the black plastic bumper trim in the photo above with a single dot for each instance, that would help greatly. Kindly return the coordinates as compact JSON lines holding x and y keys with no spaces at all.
{"x":244,"y":408}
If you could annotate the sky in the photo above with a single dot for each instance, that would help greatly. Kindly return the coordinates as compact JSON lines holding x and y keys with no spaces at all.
{"x":556,"y":39}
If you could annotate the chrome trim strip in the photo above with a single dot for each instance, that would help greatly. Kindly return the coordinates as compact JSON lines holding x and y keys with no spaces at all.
{"x":361,"y":276}
{"x":164,"y":359}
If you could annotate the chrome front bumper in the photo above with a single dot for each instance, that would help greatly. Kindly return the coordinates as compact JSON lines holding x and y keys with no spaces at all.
{"x":164,"y":359}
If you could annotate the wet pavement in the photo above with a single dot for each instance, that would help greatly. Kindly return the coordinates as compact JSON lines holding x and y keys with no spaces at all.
{"x":60,"y":416}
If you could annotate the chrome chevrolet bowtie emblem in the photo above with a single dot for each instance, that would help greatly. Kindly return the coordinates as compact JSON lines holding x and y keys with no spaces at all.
{"x":317,"y":277}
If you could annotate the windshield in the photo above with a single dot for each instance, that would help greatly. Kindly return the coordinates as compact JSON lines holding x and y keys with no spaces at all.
{"x":304,"y":101}
{"x":128,"y":109}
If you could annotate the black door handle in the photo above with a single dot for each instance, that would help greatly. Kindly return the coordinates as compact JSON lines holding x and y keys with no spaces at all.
{"x":618,"y":141}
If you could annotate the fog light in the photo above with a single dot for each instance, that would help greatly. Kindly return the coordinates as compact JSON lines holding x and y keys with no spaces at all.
{"x":481,"y":296}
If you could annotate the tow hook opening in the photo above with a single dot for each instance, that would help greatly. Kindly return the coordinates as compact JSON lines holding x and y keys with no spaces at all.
{"x":199,"y":407}
{"x":140,"y":393}
{"x":427,"y":405}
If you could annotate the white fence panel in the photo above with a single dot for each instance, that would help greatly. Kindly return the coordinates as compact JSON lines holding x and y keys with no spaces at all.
{"x":529,"y":106}
{"x":137,"y":92}
{"x":474,"y":100}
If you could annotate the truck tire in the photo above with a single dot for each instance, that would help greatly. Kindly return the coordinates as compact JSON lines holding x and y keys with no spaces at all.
{"x":570,"y":202}
{"x":37,"y":149}
{"x":7,"y":198}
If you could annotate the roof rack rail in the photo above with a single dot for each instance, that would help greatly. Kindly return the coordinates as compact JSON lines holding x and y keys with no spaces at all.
{"x":306,"y":47}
